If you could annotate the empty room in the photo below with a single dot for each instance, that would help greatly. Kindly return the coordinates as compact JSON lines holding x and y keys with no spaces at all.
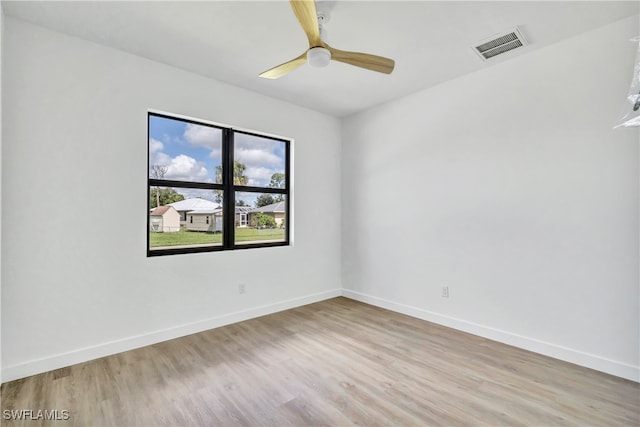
{"x":329,"y":213}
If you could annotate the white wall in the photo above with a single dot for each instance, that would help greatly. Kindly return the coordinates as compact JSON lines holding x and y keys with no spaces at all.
{"x":509,"y":186}
{"x":75,"y":151}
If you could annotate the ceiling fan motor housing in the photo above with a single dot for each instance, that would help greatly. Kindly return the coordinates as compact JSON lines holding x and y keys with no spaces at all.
{"x":318,"y":57}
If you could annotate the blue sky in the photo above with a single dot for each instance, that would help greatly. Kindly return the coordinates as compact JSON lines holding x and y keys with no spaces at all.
{"x":192,"y":152}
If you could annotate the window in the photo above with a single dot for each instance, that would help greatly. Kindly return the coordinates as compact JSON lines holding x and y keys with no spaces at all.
{"x":232,"y":185}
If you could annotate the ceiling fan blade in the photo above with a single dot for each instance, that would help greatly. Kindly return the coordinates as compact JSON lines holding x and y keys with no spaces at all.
{"x":287,"y":67}
{"x":363,"y":60}
{"x":305,"y":11}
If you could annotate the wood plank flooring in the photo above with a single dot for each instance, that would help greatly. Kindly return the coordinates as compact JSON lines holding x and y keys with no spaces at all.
{"x":334,"y":363}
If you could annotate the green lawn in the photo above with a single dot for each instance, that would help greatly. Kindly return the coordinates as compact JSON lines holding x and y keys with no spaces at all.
{"x":250,"y":234}
{"x":185,"y":237}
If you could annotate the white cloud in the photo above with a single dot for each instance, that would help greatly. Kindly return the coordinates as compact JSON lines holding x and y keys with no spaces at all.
{"x":257,"y":157}
{"x":258,"y":176}
{"x":203,"y":136}
{"x":259,"y":152}
{"x":159,"y":158}
{"x":155,"y":146}
{"x":242,"y":140}
{"x":216,"y":154}
{"x":185,"y":168}
{"x":156,"y":156}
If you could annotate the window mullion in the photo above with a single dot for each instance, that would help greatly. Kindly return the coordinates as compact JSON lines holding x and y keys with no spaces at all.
{"x":287,"y":183}
{"x":228,"y":201}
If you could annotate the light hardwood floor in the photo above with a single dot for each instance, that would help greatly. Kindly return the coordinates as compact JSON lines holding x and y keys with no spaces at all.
{"x":334,"y":363}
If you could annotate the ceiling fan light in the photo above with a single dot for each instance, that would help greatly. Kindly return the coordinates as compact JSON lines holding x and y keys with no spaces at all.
{"x":318,"y":57}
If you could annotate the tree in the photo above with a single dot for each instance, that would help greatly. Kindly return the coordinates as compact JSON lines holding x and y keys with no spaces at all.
{"x":264,"y":200}
{"x":158,"y":172}
{"x":262,"y":220}
{"x":241,"y":203}
{"x":164,"y":196}
{"x":277,"y":181}
{"x":239,"y":178}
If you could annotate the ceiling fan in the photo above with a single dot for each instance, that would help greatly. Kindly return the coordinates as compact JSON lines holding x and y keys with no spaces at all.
{"x":320,"y":53}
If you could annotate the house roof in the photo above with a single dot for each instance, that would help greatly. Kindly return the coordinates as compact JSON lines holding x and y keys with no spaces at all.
{"x":194,"y":204}
{"x":161,"y":210}
{"x":204,"y":211}
{"x":239,"y":209}
{"x":272,"y":208}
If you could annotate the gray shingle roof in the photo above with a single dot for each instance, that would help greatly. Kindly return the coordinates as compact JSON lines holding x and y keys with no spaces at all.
{"x":272,"y":208}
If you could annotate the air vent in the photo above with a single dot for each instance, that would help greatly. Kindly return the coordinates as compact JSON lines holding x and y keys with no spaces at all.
{"x":500,"y":43}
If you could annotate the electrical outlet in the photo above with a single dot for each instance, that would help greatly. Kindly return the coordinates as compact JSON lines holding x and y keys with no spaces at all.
{"x":445,"y":292}
{"x":242,"y":288}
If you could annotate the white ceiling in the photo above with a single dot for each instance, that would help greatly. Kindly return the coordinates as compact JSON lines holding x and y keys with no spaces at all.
{"x":235,"y":41}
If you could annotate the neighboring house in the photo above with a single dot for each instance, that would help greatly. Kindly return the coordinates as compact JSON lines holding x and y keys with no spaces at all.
{"x":242,"y":216}
{"x":274,"y":210}
{"x":209,"y":220}
{"x":164,"y":219}
{"x":193,"y":204}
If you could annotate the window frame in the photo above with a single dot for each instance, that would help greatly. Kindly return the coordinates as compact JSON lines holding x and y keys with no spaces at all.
{"x":228,"y":188}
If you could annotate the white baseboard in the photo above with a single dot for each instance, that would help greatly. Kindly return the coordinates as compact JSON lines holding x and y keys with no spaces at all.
{"x":577,"y":357}
{"x":33,"y":367}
